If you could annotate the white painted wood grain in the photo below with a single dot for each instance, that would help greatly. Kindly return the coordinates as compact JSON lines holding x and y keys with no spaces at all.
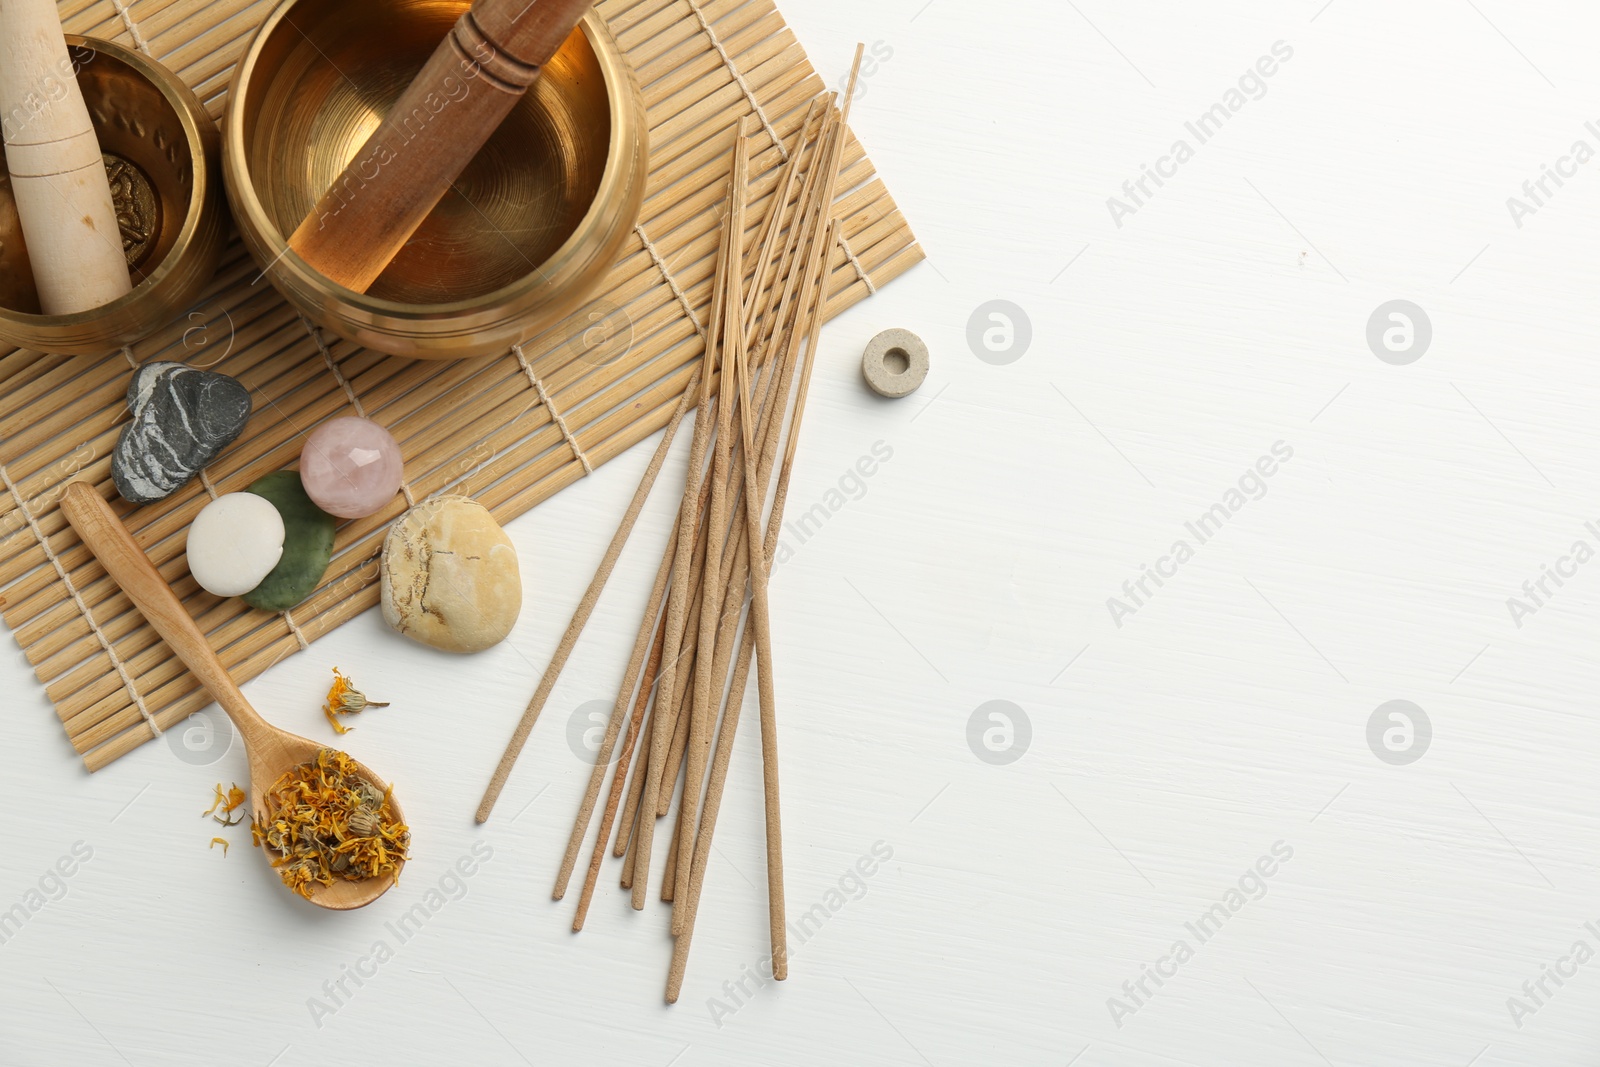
{"x":1227,"y":714}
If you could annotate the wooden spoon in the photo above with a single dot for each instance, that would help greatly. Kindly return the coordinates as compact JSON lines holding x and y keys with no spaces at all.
{"x":271,"y":751}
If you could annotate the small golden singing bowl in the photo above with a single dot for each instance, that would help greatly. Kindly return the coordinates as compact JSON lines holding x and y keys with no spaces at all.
{"x":529,"y":229}
{"x":161,"y":151}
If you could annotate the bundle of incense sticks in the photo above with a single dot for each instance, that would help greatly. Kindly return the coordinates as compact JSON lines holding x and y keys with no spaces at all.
{"x":684,"y":686}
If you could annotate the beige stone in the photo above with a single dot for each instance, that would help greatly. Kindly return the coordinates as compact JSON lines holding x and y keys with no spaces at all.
{"x":450,"y":576}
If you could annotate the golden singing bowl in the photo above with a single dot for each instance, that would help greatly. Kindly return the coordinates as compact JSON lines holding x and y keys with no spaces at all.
{"x":529,"y":229}
{"x":161,"y":152}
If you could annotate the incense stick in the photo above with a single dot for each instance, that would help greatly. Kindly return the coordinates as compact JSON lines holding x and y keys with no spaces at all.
{"x":580,"y":825}
{"x":638,"y":786}
{"x":677,"y":603}
{"x":672,"y":698}
{"x":770,"y":417}
{"x":761,"y":618}
{"x":689,"y":899}
{"x":769,"y":294}
{"x":580,"y":617}
{"x":620,"y":777}
{"x":731,"y":393}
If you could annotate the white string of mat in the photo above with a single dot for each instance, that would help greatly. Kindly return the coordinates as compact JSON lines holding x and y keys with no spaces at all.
{"x":555,"y":413}
{"x":294,"y":628}
{"x":333,"y":368}
{"x":672,"y":282}
{"x":861,"y":271}
{"x":133,"y":27}
{"x":733,"y":69}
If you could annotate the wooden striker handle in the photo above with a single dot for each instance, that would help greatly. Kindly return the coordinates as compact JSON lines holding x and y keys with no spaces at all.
{"x":105,"y":536}
{"x":57,"y":176}
{"x":470,"y":83}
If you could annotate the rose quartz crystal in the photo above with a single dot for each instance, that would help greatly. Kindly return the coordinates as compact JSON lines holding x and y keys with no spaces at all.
{"x":351,"y":467}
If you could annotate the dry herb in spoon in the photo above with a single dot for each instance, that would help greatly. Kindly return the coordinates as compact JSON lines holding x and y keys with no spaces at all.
{"x":327,"y":823}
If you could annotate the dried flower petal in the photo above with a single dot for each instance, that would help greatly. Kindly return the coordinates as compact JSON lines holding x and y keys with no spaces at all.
{"x":346,"y":699}
{"x":228,"y":802}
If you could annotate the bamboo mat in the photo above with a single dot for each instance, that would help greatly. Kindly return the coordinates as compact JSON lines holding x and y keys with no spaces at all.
{"x":507,"y":430}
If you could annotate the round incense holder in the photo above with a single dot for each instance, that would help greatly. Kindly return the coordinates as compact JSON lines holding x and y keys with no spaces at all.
{"x":161,"y":151}
{"x":895,"y":363}
{"x":529,"y":229}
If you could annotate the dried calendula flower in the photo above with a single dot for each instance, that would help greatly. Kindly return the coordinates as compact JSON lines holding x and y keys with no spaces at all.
{"x":223,"y":841}
{"x":326,"y":822}
{"x":346,"y":699}
{"x":225,"y":804}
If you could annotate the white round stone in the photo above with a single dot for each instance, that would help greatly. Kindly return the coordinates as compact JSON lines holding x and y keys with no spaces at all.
{"x":234,"y":543}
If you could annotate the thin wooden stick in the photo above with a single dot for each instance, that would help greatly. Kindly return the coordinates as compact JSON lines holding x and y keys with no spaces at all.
{"x":619,"y":778}
{"x":628,"y":827}
{"x":708,"y":594}
{"x":675,"y":727}
{"x":777,"y":211}
{"x":769,"y":418}
{"x":813,"y":339}
{"x":760,"y":615}
{"x":732,"y":557}
{"x":687,"y":658}
{"x":641,"y":642}
{"x":631,"y":860}
{"x":756,"y":474}
{"x":760,"y":618}
{"x":769,"y":430}
{"x":679,"y":837}
{"x":668,"y":786}
{"x":731,"y":395}
{"x":669,"y":875}
{"x":680,"y":730}
{"x":678,"y":602}
{"x":624,"y":828}
{"x":689,"y":899}
{"x":791,"y":268}
{"x":580,"y":618}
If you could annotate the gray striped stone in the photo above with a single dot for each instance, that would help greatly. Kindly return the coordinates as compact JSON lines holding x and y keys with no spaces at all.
{"x":182,"y":417}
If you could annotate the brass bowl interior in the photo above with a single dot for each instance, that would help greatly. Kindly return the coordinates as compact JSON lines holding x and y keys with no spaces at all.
{"x":336,"y":70}
{"x":136,"y":124}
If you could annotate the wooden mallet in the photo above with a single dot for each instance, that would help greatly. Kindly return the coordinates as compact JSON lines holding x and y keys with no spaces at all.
{"x":57,"y":175}
{"x":474,"y":78}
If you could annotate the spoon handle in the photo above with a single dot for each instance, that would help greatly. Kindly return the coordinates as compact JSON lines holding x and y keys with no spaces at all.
{"x":105,"y":536}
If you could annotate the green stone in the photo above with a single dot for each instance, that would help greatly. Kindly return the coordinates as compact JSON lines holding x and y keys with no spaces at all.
{"x":307,"y":543}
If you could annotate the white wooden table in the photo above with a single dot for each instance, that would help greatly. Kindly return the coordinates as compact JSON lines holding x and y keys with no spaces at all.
{"x":1190,"y":836}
